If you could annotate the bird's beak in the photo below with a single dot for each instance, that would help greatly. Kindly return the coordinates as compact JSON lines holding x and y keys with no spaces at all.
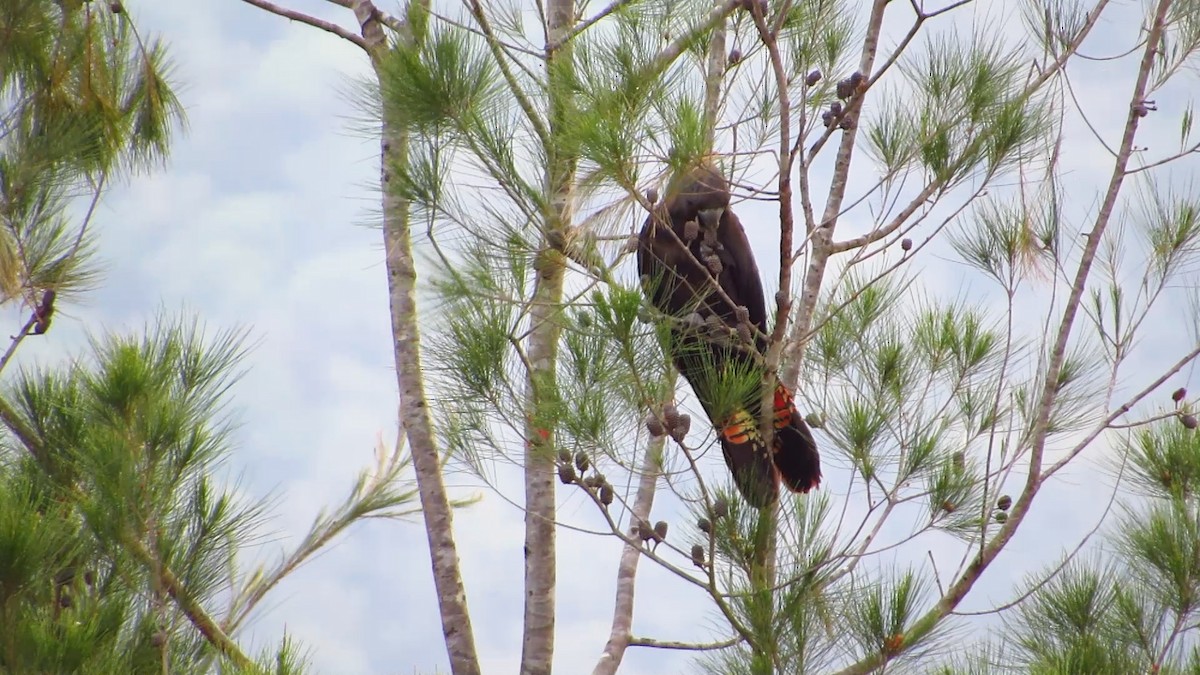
{"x":710,"y":218}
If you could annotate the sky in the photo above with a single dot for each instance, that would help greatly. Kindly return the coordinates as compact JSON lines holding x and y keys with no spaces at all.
{"x":264,"y":219}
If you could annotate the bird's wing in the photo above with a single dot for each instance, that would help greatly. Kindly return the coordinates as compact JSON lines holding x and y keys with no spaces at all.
{"x":739,"y":274}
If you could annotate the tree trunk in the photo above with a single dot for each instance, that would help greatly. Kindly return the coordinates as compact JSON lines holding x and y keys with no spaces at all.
{"x":414,"y":410}
{"x":537,"y":650}
{"x":415,"y":422}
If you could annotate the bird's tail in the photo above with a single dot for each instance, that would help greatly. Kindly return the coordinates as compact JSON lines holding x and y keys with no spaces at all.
{"x":795,"y":451}
{"x":793,"y":459}
{"x":748,"y":460}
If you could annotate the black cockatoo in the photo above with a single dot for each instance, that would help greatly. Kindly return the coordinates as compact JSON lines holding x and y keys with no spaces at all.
{"x":697,"y":268}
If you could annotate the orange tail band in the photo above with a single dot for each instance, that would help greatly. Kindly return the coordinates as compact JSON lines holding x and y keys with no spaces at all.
{"x":740,"y":428}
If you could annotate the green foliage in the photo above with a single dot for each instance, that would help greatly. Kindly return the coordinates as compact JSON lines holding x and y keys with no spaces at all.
{"x":85,"y":97}
{"x":818,"y":35}
{"x":688,"y":133}
{"x":881,"y":619}
{"x":1131,"y":606}
{"x":116,"y":538}
{"x":1170,"y":230}
{"x":113,"y":452}
{"x":1181,"y":41}
{"x":611,"y":369}
{"x":799,"y":623}
{"x":1077,"y":388}
{"x":920,"y":397}
{"x":965,"y":113}
{"x":40,"y":247}
{"x":955,"y":496}
{"x":1068,"y":626}
{"x":478,"y":332}
{"x":31,"y":542}
{"x":442,"y":82}
{"x":81,"y":77}
{"x":1007,"y":240}
{"x":859,"y":431}
{"x":1165,"y":461}
{"x":616,"y":96}
{"x":1162,"y":545}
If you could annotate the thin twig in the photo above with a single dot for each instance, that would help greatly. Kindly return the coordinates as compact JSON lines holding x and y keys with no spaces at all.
{"x":822,"y":235}
{"x":514,"y":87}
{"x":672,"y":51}
{"x":1112,"y":499}
{"x":1094,"y":237}
{"x":1124,"y":408}
{"x":475,"y":31}
{"x":1166,"y":160}
{"x":87,"y":216}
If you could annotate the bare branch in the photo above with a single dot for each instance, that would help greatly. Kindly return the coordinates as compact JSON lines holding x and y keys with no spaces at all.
{"x":685,"y":646}
{"x":1195,"y":149}
{"x":555,"y":45}
{"x":1125,"y":408}
{"x":1112,"y":499}
{"x":620,"y":637}
{"x":379,"y":15}
{"x":415,"y":422}
{"x":514,"y":87}
{"x":822,"y":235}
{"x":310,"y":20}
{"x":18,"y":338}
{"x":786,"y":221}
{"x":1094,"y":237}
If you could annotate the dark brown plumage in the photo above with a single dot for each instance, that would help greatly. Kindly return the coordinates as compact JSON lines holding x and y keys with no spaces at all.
{"x":697,"y":268}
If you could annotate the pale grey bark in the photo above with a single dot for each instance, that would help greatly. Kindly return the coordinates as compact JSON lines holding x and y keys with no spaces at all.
{"x":414,"y":409}
{"x":713,"y":77}
{"x":537,"y":649}
{"x":417,"y":425}
{"x":622,"y":625}
{"x":414,"y":419}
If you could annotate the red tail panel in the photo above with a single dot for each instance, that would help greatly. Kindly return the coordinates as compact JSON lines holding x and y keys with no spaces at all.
{"x":795,"y":451}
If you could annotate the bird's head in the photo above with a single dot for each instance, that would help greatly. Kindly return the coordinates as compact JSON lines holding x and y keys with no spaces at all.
{"x":701,"y":190}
